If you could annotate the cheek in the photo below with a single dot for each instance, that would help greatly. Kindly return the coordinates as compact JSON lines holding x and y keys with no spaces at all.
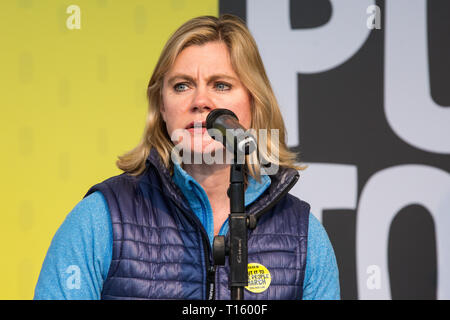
{"x":171,"y":113}
{"x":244,"y":113}
{"x":247,"y":119}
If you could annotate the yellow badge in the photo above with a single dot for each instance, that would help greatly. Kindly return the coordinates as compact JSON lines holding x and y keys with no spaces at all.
{"x":258,"y":278}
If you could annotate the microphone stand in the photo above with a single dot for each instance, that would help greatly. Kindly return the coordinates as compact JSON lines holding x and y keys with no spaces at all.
{"x":240,"y":143}
{"x":238,"y":250}
{"x":238,"y":233}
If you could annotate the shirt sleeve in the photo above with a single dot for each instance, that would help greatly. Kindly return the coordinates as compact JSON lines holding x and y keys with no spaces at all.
{"x":321,"y":280}
{"x":78,"y":260}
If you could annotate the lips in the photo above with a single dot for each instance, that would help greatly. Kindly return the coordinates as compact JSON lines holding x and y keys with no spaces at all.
{"x":196,"y":124}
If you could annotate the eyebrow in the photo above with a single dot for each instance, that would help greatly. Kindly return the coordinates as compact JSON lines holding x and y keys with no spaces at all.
{"x":214,"y":77}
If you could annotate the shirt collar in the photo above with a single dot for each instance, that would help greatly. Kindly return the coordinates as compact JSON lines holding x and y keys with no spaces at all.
{"x":187,"y":184}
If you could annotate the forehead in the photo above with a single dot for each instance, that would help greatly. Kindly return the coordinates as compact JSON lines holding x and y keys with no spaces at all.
{"x":212,"y":57}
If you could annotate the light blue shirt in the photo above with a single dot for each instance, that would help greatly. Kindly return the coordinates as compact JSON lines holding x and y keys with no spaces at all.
{"x":78,"y":260}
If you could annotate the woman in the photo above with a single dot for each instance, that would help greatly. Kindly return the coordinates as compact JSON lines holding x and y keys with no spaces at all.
{"x":147,"y":234}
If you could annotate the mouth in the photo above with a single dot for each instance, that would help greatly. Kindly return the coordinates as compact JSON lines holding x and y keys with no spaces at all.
{"x":196,"y":125}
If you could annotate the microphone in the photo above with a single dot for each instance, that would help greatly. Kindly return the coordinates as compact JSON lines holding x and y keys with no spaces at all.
{"x":231,"y":134}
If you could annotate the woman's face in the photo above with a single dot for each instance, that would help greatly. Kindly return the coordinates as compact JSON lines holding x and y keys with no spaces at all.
{"x":201,"y":80}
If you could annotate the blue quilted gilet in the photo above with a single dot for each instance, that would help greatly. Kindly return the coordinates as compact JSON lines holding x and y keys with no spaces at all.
{"x":161,"y":250}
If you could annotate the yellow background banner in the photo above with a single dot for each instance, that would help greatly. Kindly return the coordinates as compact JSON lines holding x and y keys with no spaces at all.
{"x":73,"y":84}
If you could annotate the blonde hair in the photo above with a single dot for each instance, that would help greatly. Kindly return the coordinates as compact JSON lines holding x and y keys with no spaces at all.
{"x":248,"y":65}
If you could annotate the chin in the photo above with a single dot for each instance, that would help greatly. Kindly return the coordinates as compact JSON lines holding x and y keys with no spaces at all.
{"x":210,"y":153}
{"x":208,"y":148}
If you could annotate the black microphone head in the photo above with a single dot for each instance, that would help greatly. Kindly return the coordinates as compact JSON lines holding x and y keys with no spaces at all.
{"x":213,"y":115}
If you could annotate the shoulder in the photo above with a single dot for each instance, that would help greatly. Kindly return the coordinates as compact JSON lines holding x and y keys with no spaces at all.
{"x":92,"y":204}
{"x":294,"y":210}
{"x":115,"y":183}
{"x":297,"y":203}
{"x":288,"y":215}
{"x":118,"y":192}
{"x":88,"y":217}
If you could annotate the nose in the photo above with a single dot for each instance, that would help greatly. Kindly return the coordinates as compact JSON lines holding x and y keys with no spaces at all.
{"x":201,"y":101}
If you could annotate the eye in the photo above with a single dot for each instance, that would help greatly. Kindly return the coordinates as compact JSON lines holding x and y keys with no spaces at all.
{"x":222,"y":86}
{"x":180,"y":87}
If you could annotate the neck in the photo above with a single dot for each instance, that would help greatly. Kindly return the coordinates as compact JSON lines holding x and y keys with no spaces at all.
{"x":214,"y":178}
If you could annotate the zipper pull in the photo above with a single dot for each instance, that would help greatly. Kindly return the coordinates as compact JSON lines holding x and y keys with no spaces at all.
{"x":211,"y":279}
